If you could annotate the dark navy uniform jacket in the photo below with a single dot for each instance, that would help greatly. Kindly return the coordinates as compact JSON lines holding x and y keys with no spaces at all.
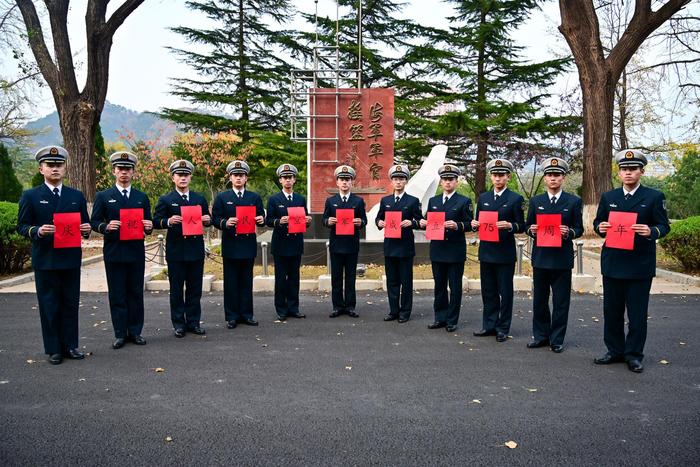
{"x":639,"y":263}
{"x":234,"y":245}
{"x":284,"y":243}
{"x":105,"y":209}
{"x":453,"y":249}
{"x":36,"y":208}
{"x":345,"y":244}
{"x":410,"y":211}
{"x":571,"y":209}
{"x":510,"y":208}
{"x":179,"y":247}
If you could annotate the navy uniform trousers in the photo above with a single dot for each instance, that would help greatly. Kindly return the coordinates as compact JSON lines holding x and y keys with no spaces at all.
{"x":287,"y":249}
{"x":56,"y":270}
{"x":447,"y":257}
{"x":238,"y":252}
{"x":124,"y":260}
{"x":185,"y":257}
{"x":344,"y":250}
{"x":399,"y":254}
{"x":497,"y":260}
{"x":551,"y":267}
{"x":627,"y":274}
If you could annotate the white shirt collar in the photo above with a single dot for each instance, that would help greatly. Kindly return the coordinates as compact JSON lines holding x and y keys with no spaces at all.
{"x":346,"y":196}
{"x":186,"y":193}
{"x":499,"y":193}
{"x":557,"y":195}
{"x":399,"y":196}
{"x":624,"y":190}
{"x":242,"y":192}
{"x":121,"y":189}
{"x":287,"y":195}
{"x":51,"y":187}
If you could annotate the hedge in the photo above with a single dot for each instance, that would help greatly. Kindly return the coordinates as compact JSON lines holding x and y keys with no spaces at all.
{"x":683,"y":243}
{"x":15,"y":250}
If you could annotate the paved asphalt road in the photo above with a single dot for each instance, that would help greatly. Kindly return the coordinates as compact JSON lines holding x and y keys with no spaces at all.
{"x":348,"y":391}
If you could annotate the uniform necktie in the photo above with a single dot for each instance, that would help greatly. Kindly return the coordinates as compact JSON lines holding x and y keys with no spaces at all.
{"x":628,"y":196}
{"x":396,"y":200}
{"x":345,"y":199}
{"x":56,"y":193}
{"x":240,"y":195}
{"x":553,"y":200}
{"x":124,"y":195}
{"x":184,"y":197}
{"x":495,"y":198}
{"x":444,"y":201}
{"x":289,"y":197}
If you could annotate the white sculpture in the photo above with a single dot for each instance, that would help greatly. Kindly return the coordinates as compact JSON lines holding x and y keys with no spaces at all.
{"x":422,"y":185}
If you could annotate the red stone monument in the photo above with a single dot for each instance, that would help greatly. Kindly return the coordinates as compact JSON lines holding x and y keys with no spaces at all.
{"x":361,"y":136}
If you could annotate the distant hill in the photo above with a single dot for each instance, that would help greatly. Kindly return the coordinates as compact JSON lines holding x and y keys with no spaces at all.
{"x":114,"y":118}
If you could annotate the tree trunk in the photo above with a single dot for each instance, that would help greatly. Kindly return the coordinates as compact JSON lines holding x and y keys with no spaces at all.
{"x":78,"y":125}
{"x":243,"y":69}
{"x":482,"y":143}
{"x":480,"y":169}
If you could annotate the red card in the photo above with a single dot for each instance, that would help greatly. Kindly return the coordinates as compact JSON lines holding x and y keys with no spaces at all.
{"x":67,"y":233}
{"x":548,"y":233}
{"x":392,"y":224}
{"x":297,"y":220}
{"x":435,"y":230}
{"x":192,"y":220}
{"x":246,"y":219}
{"x":344,"y":226}
{"x":620,"y":234}
{"x":132,"y":224}
{"x":488,"y":231}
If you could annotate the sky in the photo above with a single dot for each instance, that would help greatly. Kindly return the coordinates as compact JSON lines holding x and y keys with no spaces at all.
{"x":141,"y":67}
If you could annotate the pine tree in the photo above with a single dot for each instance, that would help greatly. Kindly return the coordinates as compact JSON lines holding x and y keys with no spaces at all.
{"x":498,"y":94}
{"x":10,"y":187}
{"x":243,"y":73}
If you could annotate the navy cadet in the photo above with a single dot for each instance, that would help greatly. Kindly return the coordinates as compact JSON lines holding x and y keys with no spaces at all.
{"x":627,"y":274}
{"x":287,"y":248}
{"x":399,"y":252}
{"x":551,"y":266}
{"x":447,"y":256}
{"x":184,"y":253}
{"x":344,"y":249}
{"x":56,"y":270}
{"x":125,"y":260}
{"x":237,"y":250}
{"x":497,"y":259}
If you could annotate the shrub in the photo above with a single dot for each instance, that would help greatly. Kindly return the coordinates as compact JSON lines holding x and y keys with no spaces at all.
{"x":15,"y":250}
{"x":683,"y":243}
{"x":10,"y":187}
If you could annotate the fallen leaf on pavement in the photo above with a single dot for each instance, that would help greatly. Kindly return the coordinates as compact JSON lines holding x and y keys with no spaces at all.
{"x":511,"y":444}
{"x":168,"y":439}
{"x":476,"y":401}
{"x":348,"y":367}
{"x":664,"y":362}
{"x":159,"y":370}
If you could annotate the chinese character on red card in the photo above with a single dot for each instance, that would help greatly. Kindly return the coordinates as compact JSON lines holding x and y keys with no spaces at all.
{"x":548,"y":233}
{"x":488,"y":231}
{"x":344,"y":225}
{"x":132,"y":224}
{"x":192,"y":220}
{"x":620,"y":234}
{"x":67,"y":233}
{"x":246,"y":219}
{"x":392,"y":224}
{"x":297,"y":220}
{"x":435,"y":230}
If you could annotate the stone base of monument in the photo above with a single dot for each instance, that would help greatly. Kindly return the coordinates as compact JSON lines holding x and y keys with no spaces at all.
{"x":163,"y":285}
{"x":582,"y":283}
{"x":264,"y":283}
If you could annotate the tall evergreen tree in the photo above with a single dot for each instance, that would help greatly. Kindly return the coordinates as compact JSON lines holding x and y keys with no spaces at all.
{"x":242,"y":71}
{"x":498,"y":97}
{"x":10,"y":187}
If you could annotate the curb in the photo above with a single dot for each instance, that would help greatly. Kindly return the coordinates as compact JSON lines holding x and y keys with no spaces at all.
{"x":29,"y":277}
{"x":671,"y":276}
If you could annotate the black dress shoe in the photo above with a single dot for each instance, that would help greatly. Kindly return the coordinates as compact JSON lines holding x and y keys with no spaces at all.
{"x":537,"y":344}
{"x":501,"y":337}
{"x":635,"y":365}
{"x":138,"y":340}
{"x":335,"y":314}
{"x":231,"y":324}
{"x":281,"y":318}
{"x":55,"y":359}
{"x":484,"y":332}
{"x":451,"y":328}
{"x":249,"y":322}
{"x":557,"y":348}
{"x":608,"y":358}
{"x":436,"y":325}
{"x":118,"y":343}
{"x":74,"y":354}
{"x":390,"y":318}
{"x":297,"y":315}
{"x":197,"y":330}
{"x":353,"y":314}
{"x":179,"y":333}
{"x":403,"y":320}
